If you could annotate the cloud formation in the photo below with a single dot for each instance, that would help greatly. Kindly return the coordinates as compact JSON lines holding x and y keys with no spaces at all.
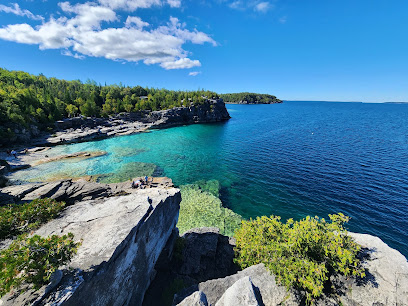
{"x":83,"y":31}
{"x":16,"y":10}
{"x":255,"y":5}
{"x":194,"y":73}
{"x":262,"y":7}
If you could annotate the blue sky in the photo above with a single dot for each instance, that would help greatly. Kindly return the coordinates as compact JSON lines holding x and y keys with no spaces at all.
{"x":295,"y":49}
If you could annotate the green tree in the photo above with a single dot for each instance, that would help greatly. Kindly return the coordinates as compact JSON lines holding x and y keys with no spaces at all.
{"x":71,"y":110}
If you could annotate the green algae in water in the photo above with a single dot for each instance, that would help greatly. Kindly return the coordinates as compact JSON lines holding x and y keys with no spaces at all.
{"x":128,"y":172}
{"x":211,"y":186}
{"x":200,"y":208}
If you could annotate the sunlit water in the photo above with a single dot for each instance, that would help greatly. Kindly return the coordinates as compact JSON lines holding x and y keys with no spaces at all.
{"x":292,"y":160}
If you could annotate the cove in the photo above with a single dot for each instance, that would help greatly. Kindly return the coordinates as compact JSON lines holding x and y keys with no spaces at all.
{"x":293,"y":159}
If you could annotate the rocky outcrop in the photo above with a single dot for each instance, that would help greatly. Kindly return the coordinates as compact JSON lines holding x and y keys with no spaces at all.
{"x":210,"y":111}
{"x":386,"y":283}
{"x":71,"y":191}
{"x":122,"y":238}
{"x":19,"y":134}
{"x":82,"y":129}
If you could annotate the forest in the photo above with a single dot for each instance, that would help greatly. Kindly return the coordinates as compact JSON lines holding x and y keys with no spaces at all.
{"x":249,"y":98}
{"x":27,"y":99}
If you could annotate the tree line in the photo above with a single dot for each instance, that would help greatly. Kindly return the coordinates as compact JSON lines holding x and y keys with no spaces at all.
{"x":249,"y":98}
{"x":27,"y":99}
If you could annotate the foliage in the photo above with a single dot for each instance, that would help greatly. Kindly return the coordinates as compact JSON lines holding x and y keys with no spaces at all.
{"x":302,"y":254}
{"x":19,"y":218}
{"x":33,"y":260}
{"x":26,"y":99}
{"x":200,"y":208}
{"x":249,"y":98}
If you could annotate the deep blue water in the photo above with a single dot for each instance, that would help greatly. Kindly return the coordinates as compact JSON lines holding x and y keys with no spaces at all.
{"x":292,"y":160}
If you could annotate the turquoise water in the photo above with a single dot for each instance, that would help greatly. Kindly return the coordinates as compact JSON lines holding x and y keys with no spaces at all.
{"x":292,"y":160}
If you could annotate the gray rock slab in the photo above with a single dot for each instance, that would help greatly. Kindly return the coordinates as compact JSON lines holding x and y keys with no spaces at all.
{"x":387,"y":278}
{"x":198,"y":298}
{"x":241,"y":293}
{"x":122,"y":238}
{"x":271,"y":293}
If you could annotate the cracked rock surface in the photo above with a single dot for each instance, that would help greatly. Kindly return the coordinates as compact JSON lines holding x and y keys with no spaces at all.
{"x":122,"y":238}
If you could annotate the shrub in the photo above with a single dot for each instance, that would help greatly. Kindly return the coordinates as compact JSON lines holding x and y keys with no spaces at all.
{"x":19,"y":218}
{"x":302,"y":254}
{"x":33,"y":260}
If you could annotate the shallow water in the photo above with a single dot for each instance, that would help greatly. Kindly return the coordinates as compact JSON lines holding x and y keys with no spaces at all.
{"x":292,"y":160}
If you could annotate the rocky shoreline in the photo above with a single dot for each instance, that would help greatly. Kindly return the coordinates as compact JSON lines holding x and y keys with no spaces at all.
{"x":122,"y":227}
{"x":82,"y":129}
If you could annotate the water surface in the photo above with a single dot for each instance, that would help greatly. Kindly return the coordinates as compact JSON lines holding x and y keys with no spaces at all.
{"x":292,"y":160}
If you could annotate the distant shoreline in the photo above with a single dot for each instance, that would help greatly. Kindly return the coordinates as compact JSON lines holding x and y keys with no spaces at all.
{"x":346,"y":102}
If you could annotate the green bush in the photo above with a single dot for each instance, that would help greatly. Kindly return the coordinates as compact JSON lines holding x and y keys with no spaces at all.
{"x":19,"y":218}
{"x":302,"y":254}
{"x":33,"y":260}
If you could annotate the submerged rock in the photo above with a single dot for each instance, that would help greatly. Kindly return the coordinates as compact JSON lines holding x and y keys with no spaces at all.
{"x":201,"y":208}
{"x":78,"y":155}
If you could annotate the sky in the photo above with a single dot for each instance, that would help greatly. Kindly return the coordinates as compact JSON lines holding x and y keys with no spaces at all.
{"x":349,"y":50}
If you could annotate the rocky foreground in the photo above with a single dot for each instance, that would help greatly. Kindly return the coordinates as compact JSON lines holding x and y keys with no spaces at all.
{"x":131,"y":255}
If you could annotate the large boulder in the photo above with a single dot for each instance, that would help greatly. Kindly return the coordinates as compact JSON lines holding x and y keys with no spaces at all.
{"x":240,"y":293}
{"x":122,"y":238}
{"x":198,"y":298}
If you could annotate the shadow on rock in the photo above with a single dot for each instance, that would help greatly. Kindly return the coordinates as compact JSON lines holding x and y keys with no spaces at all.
{"x":199,"y":255}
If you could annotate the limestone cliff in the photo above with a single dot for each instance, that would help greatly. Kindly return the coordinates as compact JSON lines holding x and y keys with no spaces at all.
{"x":122,"y":238}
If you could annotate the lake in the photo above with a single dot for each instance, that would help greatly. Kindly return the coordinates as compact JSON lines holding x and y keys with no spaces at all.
{"x":292,"y":159}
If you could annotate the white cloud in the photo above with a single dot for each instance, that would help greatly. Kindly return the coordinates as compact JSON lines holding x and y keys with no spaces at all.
{"x":75,"y":55}
{"x":262,"y":7}
{"x":194,"y":73}
{"x":130,"y":5}
{"x":174,"y":3}
{"x":237,"y":5}
{"x":16,"y":10}
{"x":84,"y":31}
{"x":137,"y":21}
{"x":182,"y":63}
